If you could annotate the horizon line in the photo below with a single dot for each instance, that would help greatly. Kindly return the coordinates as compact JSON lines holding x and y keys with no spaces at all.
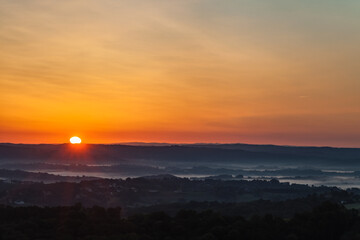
{"x":158,"y":144}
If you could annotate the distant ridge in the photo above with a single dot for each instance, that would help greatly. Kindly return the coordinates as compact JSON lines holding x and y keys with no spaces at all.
{"x":221,"y":145}
{"x":231,"y":153}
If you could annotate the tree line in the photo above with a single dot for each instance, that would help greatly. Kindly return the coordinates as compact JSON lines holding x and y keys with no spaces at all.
{"x":328,"y":221}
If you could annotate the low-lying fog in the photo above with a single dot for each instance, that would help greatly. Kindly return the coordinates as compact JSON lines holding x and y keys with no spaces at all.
{"x":342,"y":178}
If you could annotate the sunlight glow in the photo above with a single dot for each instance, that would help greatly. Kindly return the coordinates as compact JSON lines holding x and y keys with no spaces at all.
{"x":75,"y":140}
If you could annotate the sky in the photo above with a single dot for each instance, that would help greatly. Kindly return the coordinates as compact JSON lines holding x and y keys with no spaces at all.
{"x":252,"y":71}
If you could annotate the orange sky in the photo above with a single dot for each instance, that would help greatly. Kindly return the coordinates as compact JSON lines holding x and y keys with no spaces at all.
{"x":271,"y":71}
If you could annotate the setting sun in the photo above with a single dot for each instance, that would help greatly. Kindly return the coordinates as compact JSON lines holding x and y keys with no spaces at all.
{"x":75,"y":140}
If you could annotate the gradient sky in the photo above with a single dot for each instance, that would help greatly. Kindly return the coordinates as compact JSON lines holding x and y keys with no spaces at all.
{"x":255,"y":71}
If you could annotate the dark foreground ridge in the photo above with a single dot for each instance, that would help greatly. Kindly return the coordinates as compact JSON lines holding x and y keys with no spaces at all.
{"x":164,"y":189}
{"x":328,"y":221}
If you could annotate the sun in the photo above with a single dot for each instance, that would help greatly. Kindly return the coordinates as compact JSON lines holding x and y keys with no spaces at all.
{"x":75,"y":140}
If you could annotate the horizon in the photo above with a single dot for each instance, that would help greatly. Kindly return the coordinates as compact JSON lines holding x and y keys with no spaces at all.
{"x":160,"y":144}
